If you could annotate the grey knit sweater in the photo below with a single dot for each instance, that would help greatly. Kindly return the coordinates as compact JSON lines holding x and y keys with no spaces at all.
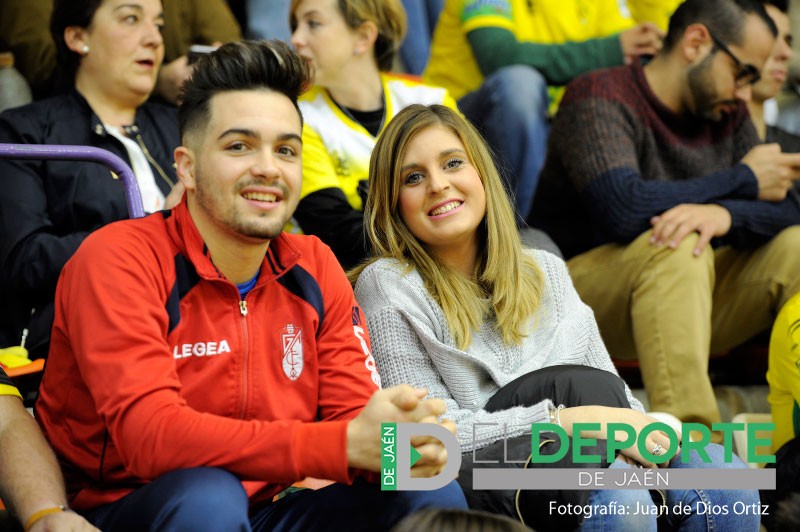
{"x":412,"y":344}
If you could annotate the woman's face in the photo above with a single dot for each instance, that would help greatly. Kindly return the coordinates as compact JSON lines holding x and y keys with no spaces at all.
{"x":125,"y":48}
{"x":442,"y":200}
{"x":324,"y":39}
{"x":773,"y":75}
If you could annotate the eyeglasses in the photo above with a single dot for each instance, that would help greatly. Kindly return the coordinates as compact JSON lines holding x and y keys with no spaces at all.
{"x":747,"y":74}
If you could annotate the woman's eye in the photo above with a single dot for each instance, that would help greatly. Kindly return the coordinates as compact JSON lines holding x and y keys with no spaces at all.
{"x":236,"y":146}
{"x":455,"y":162}
{"x":286,"y":150}
{"x":131,"y":19}
{"x":413,"y":178}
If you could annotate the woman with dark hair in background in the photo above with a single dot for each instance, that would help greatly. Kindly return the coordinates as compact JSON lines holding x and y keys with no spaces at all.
{"x":109,"y":53}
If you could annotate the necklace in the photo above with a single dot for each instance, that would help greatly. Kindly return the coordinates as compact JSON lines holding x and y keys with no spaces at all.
{"x":372,"y":121}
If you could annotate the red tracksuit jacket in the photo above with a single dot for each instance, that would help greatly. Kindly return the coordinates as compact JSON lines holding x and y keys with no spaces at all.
{"x":157,"y":364}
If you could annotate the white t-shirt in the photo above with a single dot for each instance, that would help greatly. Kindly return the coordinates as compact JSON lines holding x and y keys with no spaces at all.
{"x":152,"y":197}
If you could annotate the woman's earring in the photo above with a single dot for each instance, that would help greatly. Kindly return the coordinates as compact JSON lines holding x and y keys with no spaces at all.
{"x":85,"y":49}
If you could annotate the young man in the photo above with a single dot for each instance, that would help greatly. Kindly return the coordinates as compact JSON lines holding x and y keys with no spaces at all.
{"x":202,"y":361}
{"x":646,"y":165}
{"x":31,"y":484}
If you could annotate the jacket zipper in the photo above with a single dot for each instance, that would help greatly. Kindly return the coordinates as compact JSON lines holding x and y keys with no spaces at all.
{"x":153,"y":162}
{"x":245,"y":355}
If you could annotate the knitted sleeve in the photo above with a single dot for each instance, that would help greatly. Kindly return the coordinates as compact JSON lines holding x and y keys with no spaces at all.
{"x":598,"y":141}
{"x":754,"y":222}
{"x":403,"y":331}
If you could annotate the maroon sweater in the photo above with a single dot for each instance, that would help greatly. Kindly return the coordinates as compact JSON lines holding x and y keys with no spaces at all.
{"x":617,"y":157}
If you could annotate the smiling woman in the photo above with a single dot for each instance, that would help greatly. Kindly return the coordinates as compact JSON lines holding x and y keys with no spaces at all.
{"x":109,"y":52}
{"x":455,"y":305}
{"x":442,"y":200}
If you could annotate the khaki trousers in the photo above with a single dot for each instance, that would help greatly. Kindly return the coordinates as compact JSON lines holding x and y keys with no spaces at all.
{"x":671,"y":309}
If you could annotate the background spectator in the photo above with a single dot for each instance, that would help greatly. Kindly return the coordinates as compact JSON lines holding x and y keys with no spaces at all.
{"x":112,"y":50}
{"x":31,"y":484}
{"x":783,"y":374}
{"x":773,"y":78}
{"x":646,"y":167}
{"x":352,"y":100}
{"x":24,"y":23}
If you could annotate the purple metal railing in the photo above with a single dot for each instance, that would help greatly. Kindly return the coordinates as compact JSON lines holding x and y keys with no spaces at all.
{"x":82,"y":153}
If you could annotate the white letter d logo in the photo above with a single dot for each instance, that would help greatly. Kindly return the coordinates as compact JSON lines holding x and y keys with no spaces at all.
{"x":405,"y":431}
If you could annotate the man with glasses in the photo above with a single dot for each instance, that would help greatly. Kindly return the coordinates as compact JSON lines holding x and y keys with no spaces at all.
{"x":675,"y":221}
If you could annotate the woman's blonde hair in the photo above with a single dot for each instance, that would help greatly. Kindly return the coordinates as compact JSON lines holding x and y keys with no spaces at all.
{"x":507,"y":281}
{"x":388,"y":16}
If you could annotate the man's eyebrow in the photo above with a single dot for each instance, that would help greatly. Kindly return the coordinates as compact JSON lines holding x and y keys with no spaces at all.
{"x":239,"y":131}
{"x":245,"y":132}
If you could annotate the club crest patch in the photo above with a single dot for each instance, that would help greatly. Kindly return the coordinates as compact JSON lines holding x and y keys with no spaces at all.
{"x":292,"y":339}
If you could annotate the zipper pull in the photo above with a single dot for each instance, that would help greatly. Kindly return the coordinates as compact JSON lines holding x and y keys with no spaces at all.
{"x":243,"y":307}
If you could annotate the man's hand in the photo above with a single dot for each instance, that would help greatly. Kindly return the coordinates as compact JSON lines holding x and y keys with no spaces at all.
{"x":674,"y":225}
{"x":433,"y":454}
{"x":398,"y":404}
{"x":775,"y":171}
{"x":171,"y":78}
{"x":643,"y":39}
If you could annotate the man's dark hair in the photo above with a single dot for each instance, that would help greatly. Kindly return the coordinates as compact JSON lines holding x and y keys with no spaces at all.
{"x":236,"y":66}
{"x":69,"y":13}
{"x":724,"y":18}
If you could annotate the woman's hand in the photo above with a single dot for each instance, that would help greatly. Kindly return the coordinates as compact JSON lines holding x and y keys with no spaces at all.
{"x":605,"y":415}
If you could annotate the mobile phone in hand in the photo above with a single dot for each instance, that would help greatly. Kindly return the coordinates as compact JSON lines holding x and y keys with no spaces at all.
{"x":196,"y":51}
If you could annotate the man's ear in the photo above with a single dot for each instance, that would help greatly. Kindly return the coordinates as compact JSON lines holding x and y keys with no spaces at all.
{"x":185,"y":167}
{"x":696,"y":43}
{"x":367,"y":34}
{"x":76,"y":39}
